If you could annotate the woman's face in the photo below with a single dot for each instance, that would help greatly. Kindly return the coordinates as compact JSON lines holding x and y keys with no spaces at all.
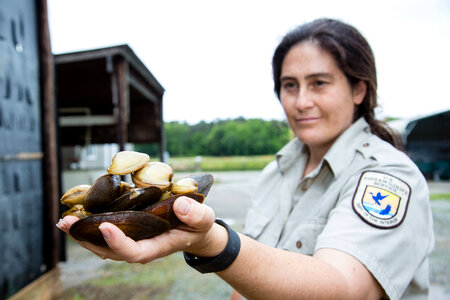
{"x":316,"y":96}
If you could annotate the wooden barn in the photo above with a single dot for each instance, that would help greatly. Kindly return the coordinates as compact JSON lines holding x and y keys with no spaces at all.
{"x":46,"y":102}
{"x":29,"y":181}
{"x":108,"y":95}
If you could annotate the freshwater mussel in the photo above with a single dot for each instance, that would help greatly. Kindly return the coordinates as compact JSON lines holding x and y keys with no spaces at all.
{"x":142,"y":209}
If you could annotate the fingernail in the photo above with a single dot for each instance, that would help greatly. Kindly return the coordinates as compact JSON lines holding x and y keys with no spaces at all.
{"x":184,"y":206}
{"x":105,"y":231}
{"x":61,"y":224}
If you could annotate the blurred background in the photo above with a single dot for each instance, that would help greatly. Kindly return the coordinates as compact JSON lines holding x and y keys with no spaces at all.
{"x":189,"y":83}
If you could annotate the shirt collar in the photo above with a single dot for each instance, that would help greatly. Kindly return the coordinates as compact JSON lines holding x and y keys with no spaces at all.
{"x":289,"y":154}
{"x":338,"y":156}
{"x":341,"y":153}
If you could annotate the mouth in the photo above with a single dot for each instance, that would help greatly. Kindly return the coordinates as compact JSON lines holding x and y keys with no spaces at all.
{"x":307,"y":120}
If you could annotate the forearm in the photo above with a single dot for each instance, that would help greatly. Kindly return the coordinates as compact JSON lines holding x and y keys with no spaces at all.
{"x":264,"y":272}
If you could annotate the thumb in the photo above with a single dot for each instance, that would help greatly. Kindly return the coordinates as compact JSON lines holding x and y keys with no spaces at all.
{"x":199,"y":217}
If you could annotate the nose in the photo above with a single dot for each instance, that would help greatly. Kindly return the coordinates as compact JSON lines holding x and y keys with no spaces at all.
{"x":304,"y":100}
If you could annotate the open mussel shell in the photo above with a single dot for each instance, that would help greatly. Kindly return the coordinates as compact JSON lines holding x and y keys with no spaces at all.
{"x":137,"y":225}
{"x":135,"y":199}
{"x":105,"y":189}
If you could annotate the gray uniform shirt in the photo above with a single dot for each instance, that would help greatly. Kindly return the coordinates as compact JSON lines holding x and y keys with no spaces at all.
{"x":365,"y":198}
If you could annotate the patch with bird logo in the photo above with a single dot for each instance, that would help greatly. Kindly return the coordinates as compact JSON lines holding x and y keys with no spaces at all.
{"x":381,"y":200}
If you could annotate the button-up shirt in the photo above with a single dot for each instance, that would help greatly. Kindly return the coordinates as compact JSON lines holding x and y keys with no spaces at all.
{"x":334,"y":207}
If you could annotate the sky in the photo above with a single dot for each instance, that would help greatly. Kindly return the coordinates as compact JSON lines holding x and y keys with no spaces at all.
{"x":213,"y":58}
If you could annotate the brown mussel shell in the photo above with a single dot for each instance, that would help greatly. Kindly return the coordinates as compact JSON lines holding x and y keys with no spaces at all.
{"x":164,"y":209}
{"x":144,"y":223}
{"x":104,"y":190}
{"x":135,"y":199}
{"x":137,"y":225}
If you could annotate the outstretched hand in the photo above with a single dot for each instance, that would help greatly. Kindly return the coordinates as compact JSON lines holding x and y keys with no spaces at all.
{"x":193,"y":236}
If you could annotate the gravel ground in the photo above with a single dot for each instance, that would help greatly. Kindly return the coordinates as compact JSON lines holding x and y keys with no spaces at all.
{"x":229,"y":198}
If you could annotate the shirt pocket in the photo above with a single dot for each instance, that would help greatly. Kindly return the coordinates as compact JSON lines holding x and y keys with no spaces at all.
{"x":304,"y":238}
{"x":255,"y":223}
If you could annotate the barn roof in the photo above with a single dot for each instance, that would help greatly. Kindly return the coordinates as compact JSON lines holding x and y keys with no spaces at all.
{"x":107,"y":95}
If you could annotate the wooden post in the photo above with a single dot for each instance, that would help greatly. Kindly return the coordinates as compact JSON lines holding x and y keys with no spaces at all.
{"x":162,"y":140}
{"x":120,"y":91}
{"x":49,"y":141}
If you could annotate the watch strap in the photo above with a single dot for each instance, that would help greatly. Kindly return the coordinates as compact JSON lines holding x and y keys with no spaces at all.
{"x":221,"y":261}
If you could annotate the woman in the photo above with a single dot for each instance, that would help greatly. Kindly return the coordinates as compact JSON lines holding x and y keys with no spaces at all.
{"x":340,"y":214}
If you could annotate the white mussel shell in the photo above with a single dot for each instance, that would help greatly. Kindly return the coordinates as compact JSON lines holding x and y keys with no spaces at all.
{"x":154,"y":174}
{"x":75,"y":195}
{"x":185,"y":185}
{"x":126,"y":162}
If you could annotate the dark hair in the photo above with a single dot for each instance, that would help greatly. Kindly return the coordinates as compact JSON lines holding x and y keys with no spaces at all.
{"x":354,"y":57}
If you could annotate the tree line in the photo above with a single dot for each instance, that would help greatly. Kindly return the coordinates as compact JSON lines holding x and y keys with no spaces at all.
{"x":223,"y":138}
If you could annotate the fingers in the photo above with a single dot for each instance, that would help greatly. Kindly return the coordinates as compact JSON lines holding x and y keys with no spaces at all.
{"x":111,"y":234}
{"x":198,"y":220}
{"x":198,"y":217}
{"x":121,"y":247}
{"x":66,"y":223}
{"x":126,"y":249}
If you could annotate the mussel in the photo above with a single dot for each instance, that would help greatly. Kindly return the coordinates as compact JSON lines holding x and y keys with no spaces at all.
{"x":141,"y":210}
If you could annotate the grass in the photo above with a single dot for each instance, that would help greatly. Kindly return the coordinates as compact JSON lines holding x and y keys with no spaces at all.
{"x":225,"y":163}
{"x":166,"y":278}
{"x":445,"y":197}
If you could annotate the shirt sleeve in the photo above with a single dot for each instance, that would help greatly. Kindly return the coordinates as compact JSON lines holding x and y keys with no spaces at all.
{"x":393,"y":255}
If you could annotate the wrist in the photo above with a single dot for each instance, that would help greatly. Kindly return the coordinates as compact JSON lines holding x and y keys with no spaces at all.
{"x":213,"y":243}
{"x":218,"y":262}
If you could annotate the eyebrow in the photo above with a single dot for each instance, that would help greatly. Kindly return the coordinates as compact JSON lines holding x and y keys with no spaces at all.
{"x":319,"y":75}
{"x":287,"y":78}
{"x":309,"y":76}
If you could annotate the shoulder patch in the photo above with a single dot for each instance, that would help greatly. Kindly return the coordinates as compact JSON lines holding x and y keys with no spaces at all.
{"x":381,"y":200}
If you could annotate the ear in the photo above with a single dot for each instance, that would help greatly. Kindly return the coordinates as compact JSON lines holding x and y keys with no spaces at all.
{"x":359,"y":92}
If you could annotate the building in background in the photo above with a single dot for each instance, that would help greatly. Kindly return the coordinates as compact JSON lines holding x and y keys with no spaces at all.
{"x":108,"y":101}
{"x":427,"y":142}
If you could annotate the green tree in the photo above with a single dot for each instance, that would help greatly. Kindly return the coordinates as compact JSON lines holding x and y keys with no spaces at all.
{"x":224,"y":138}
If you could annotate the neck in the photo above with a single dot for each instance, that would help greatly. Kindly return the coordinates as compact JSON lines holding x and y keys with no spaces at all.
{"x":314,"y":159}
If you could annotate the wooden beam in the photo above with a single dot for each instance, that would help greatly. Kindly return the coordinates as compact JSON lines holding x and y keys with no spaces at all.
{"x":22,"y":156}
{"x":143,"y":89}
{"x":87,"y":121}
{"x":46,"y":287}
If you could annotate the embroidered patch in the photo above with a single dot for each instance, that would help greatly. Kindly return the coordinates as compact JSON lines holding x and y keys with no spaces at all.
{"x":381,"y":200}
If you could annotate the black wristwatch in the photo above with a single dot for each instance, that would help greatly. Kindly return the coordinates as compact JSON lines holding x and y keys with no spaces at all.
{"x":219,"y":262}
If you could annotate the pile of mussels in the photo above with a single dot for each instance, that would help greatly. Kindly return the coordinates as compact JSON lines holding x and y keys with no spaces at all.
{"x":142,"y":209}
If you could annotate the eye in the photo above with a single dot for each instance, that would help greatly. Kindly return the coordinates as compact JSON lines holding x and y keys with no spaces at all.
{"x":289,"y":85}
{"x":319,"y":83}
